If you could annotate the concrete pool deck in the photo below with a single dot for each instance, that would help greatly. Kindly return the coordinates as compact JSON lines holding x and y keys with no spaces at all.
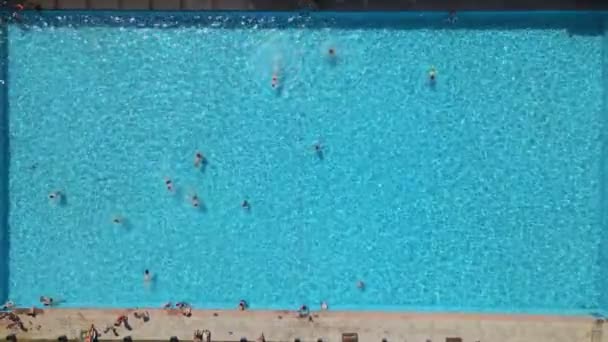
{"x":232,"y":325}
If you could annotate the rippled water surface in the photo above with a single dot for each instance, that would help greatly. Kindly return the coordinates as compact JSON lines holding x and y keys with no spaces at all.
{"x":482,"y":192}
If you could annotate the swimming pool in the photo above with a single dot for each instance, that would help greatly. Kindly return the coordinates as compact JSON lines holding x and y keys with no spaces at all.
{"x":483,"y":192}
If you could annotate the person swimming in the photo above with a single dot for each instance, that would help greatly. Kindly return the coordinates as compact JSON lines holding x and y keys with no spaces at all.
{"x":452,"y":17}
{"x":147,"y":276}
{"x":331,"y":52}
{"x":432,"y":75}
{"x":318,"y":149}
{"x":46,"y":301}
{"x":361,"y":285}
{"x":194,"y":200}
{"x":242,"y":305}
{"x":169,"y":184}
{"x":55,"y":196}
{"x":199,"y":159}
{"x":117,"y":219}
{"x":245,"y":205}
{"x":274,"y":83}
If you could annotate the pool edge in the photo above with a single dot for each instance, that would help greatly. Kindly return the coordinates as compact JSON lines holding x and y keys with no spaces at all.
{"x":281,"y":325}
{"x":4,"y":162}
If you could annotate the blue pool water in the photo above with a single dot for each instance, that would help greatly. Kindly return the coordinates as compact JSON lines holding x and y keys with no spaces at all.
{"x":483,"y":193}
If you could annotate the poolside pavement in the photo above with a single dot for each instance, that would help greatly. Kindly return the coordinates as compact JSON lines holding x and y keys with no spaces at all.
{"x":227,"y":325}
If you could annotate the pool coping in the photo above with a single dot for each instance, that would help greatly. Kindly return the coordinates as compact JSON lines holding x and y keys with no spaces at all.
{"x":282,"y":325}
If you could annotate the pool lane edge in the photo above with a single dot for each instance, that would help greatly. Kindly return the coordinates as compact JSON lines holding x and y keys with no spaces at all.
{"x":4,"y":163}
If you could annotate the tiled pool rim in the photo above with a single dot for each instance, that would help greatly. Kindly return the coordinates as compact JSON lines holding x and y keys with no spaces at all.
{"x":419,"y":18}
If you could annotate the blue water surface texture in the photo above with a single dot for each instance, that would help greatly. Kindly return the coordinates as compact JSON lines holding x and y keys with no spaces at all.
{"x":482,"y":191}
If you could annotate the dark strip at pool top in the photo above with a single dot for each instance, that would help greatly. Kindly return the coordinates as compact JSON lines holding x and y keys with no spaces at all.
{"x":575,"y":22}
{"x":327,"y":5}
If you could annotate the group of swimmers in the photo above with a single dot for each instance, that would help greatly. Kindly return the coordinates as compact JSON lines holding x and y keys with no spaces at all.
{"x":331,"y":54}
{"x":199,"y":162}
{"x":57,"y":196}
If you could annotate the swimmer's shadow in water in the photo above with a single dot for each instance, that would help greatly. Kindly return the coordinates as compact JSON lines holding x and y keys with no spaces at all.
{"x":63,"y":200}
{"x":320,"y":155}
{"x":203,"y":167}
{"x":202,"y":208}
{"x":278,"y":91}
{"x":124,"y":223}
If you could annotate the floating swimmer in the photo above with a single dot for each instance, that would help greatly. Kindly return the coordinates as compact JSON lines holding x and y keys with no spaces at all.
{"x":318,"y":149}
{"x":55,"y":196}
{"x":117,"y":219}
{"x":275,"y":81}
{"x":147,"y":276}
{"x":169,"y":184}
{"x":245,"y":205}
{"x":194,"y":200}
{"x":452,"y":17}
{"x":432,"y":74}
{"x":332,"y":56}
